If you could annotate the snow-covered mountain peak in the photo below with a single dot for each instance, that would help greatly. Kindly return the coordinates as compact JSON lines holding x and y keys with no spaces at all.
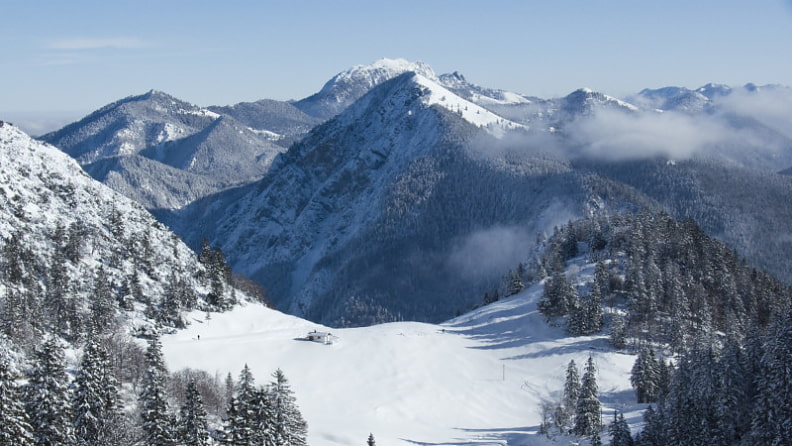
{"x":377,"y":73}
{"x":350,"y":85}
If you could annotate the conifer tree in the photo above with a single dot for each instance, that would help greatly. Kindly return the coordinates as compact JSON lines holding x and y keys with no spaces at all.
{"x":169,"y":312}
{"x":566,"y":412}
{"x":619,"y":431}
{"x":263,"y":418}
{"x":289,"y":427}
{"x":95,"y":400}
{"x":234,"y":432}
{"x":645,"y":376}
{"x":595,"y":439}
{"x":618,"y":332}
{"x":587,"y":416}
{"x":654,"y":430}
{"x":193,"y":429}
{"x":102,"y":306}
{"x":242,"y":426}
{"x":371,"y":441}
{"x":514,"y":284}
{"x":732,"y":404}
{"x":156,"y":421}
{"x":558,"y":296}
{"x":15,"y":427}
{"x":47,"y":397}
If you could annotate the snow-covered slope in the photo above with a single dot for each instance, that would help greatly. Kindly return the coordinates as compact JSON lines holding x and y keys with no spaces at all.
{"x":477,"y":379}
{"x":173,"y":133}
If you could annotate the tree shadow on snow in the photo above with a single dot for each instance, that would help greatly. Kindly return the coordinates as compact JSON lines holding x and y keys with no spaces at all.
{"x":577,"y":346}
{"x":512,"y":332}
{"x":514,"y":436}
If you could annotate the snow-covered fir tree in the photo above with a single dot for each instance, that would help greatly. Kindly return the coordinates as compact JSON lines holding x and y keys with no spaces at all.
{"x":558,"y":297}
{"x":588,"y":415}
{"x":289,"y":427}
{"x":95,"y":400}
{"x":156,"y":421}
{"x":15,"y":428}
{"x":192,"y":428}
{"x":565,"y":414}
{"x":654,"y":428}
{"x":514,"y":283}
{"x":645,"y":376}
{"x":619,"y":431}
{"x":247,"y":421}
{"x":47,"y":397}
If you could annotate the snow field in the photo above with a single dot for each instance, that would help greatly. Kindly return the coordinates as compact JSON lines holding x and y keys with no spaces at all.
{"x":479,"y":378}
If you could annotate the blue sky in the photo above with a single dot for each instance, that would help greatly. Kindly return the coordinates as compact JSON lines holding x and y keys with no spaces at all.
{"x":67,"y":57}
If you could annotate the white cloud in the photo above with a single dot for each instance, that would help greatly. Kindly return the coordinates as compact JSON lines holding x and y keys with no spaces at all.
{"x":81,"y":43}
{"x":771,"y":106}
{"x":616,"y":135}
{"x":490,"y":252}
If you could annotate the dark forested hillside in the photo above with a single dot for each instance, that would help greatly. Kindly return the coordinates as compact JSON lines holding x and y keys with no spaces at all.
{"x":669,"y":281}
{"x":666,"y":289}
{"x":743,"y":207}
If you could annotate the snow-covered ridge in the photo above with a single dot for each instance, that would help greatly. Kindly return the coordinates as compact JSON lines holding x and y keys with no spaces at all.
{"x":469,"y":111}
{"x":480,"y":95}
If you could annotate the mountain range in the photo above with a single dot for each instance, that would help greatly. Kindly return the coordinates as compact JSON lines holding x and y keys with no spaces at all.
{"x":395,"y":194}
{"x":404,"y":194}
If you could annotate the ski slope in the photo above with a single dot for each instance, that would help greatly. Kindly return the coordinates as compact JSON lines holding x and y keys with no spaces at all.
{"x":477,"y":379}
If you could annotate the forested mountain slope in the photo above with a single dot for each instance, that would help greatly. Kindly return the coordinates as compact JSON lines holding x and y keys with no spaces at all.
{"x":78,"y":256}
